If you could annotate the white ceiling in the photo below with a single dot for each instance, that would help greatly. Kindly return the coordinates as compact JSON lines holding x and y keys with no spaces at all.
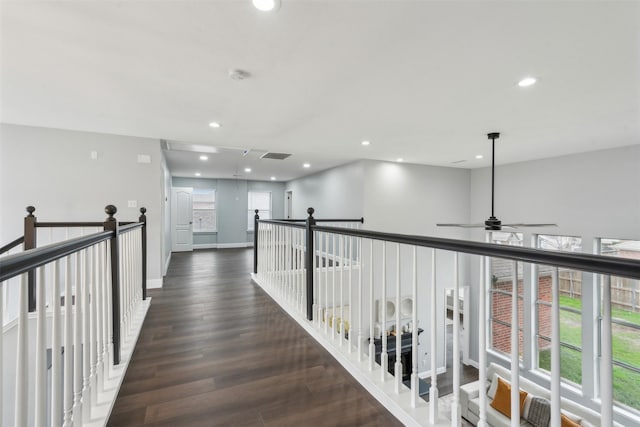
{"x":422,"y":80}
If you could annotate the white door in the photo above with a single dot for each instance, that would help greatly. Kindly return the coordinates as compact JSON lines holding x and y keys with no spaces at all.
{"x":182,"y":219}
{"x":288,"y":203}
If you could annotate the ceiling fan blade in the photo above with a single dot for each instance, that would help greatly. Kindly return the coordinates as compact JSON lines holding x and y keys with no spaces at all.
{"x":529,"y":225}
{"x":462,"y":225}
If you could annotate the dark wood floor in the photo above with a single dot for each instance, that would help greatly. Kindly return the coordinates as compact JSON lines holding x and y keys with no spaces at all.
{"x":215,"y":350}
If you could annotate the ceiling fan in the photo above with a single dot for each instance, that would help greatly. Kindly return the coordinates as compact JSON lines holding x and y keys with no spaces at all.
{"x":493,"y":223}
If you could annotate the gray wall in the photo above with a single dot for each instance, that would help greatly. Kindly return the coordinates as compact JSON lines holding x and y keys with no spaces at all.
{"x":166,"y":211}
{"x":232,"y":206}
{"x":52,"y":170}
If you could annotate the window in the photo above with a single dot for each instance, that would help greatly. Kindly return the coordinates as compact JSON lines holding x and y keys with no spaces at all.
{"x":204,"y":210}
{"x":260,"y":200}
{"x":570,"y":287}
{"x":501,"y":292}
{"x":625,"y":325}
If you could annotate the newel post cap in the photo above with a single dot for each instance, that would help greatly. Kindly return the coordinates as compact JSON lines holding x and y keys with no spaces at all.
{"x":143,"y":210}
{"x":310,"y":211}
{"x":31,"y":210}
{"x":111,"y":211}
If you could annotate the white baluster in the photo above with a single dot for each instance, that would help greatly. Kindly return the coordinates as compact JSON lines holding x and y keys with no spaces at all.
{"x":68,"y":345}
{"x":318,"y":310}
{"x":360,"y":299}
{"x":95,"y":279}
{"x":56,"y":348}
{"x":372,"y":326}
{"x":326,"y":283}
{"x":415,"y":380}
{"x":606,"y":361}
{"x":398,"y":364}
{"x":384,"y":362}
{"x":108,"y":307}
{"x":515,"y":350}
{"x":77,"y":339}
{"x":482,"y":340}
{"x":555,"y":350}
{"x":41,"y":350}
{"x":86,"y":337}
{"x":351,"y":305}
{"x":455,"y":405}
{"x":340,"y":324}
{"x":2,"y":288}
{"x":333,"y":290}
{"x":22,"y":362}
{"x":100,"y":317}
{"x":316,"y":275}
{"x":433,"y":389}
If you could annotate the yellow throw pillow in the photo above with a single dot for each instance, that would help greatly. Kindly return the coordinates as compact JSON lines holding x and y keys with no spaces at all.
{"x":502,"y":400}
{"x":567,"y":422}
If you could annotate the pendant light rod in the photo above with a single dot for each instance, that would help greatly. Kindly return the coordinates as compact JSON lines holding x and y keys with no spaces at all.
{"x":493,"y":136}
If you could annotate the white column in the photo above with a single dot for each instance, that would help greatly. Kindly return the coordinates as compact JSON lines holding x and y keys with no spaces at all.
{"x":433,"y":390}
{"x":398,"y":365}
{"x":41,"y":351}
{"x":555,"y":349}
{"x":372,"y":326}
{"x":415,"y":380}
{"x":455,"y":405}
{"x":482,"y":340}
{"x":606,"y":361}
{"x":384,"y":362}
{"x":360,"y":300}
{"x":515,"y":350}
{"x":56,"y":349}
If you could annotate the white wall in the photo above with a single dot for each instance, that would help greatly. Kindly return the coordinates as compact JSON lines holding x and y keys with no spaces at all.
{"x":51,"y":169}
{"x":334,"y":193}
{"x":166,"y":215}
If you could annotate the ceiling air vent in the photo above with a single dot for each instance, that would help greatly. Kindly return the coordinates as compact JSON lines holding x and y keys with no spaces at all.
{"x":275,"y":156}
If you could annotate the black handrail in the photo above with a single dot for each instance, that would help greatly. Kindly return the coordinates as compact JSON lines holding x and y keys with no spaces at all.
{"x":9,"y":246}
{"x":126,"y":228}
{"x":280,"y":222}
{"x":624,"y":267}
{"x":360,"y":220}
{"x":14,"y":265}
{"x":67,"y":224}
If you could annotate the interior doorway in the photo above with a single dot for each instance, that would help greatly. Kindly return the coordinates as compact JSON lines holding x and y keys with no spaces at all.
{"x":181,"y":219}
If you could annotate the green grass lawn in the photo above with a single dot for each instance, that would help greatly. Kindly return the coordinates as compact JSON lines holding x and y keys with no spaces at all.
{"x":626,"y":348}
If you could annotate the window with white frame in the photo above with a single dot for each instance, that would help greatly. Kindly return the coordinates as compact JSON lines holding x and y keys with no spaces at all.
{"x":260,"y":200}
{"x":570,"y":287}
{"x":625,"y":325}
{"x":500,"y":295}
{"x":204,"y":210}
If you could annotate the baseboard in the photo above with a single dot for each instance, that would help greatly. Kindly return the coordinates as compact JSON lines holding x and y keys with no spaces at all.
{"x":427,"y":374}
{"x":166,"y":265}
{"x":205,"y":246}
{"x":234,"y":245}
{"x":154,"y":283}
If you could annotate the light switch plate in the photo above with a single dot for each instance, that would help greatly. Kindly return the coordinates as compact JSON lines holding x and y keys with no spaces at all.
{"x":132,"y":204}
{"x":144,"y":158}
{"x":93,"y":155}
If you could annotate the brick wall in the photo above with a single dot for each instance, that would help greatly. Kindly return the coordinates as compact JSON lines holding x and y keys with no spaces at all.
{"x":501,"y":311}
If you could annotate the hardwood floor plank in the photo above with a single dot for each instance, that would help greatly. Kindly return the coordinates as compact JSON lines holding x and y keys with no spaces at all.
{"x":215,"y":350}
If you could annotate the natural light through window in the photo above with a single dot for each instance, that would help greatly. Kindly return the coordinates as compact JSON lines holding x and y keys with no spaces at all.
{"x":204,"y":210}
{"x":260,"y":200}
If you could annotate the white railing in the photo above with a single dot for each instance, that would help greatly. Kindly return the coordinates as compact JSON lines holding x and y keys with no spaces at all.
{"x":63,"y":364}
{"x":372,"y":291}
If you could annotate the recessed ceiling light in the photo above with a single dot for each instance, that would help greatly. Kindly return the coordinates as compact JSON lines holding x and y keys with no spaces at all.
{"x":266,"y":5}
{"x":203,"y":157}
{"x":215,"y":125}
{"x":197,"y":173}
{"x":247,"y":169}
{"x":400,"y":159}
{"x":306,"y":165}
{"x":479,"y":156}
{"x":273,"y":178}
{"x":527,"y":81}
{"x":366,"y":143}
